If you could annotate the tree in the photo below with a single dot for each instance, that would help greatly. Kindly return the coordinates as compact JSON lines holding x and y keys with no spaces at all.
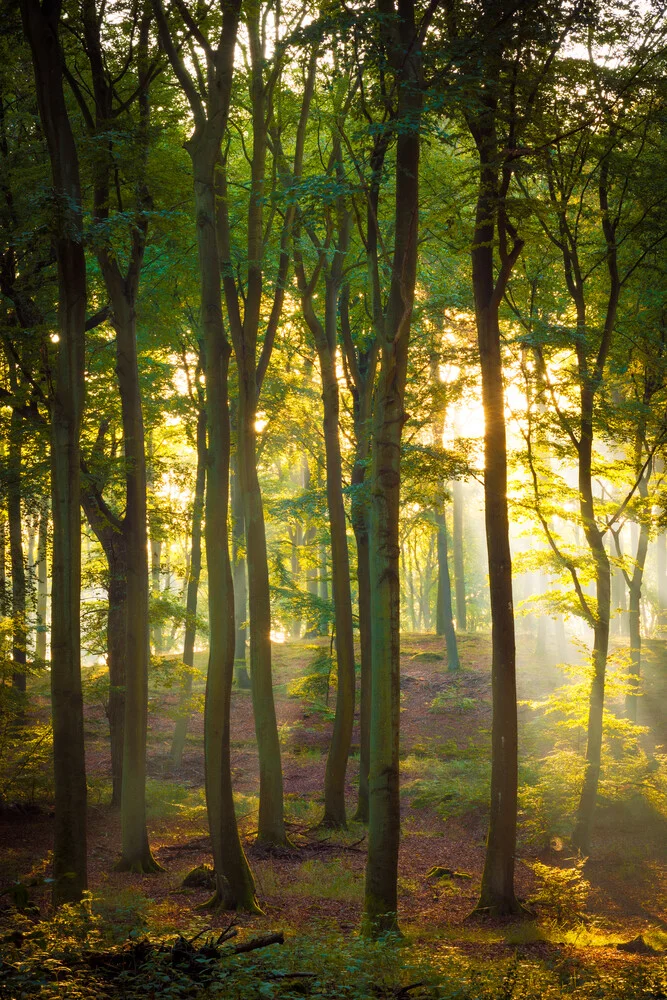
{"x":41,"y":22}
{"x":235,"y":886}
{"x":400,"y":38}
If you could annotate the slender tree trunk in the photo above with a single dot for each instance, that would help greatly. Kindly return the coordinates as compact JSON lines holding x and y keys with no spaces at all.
{"x":582,"y":833}
{"x":457,"y":545}
{"x":109,"y":532}
{"x":42,"y":584}
{"x":393,"y":333}
{"x":497,"y":892}
{"x":635,"y":593}
{"x":661,"y":570}
{"x":323,"y":573}
{"x":444,"y":624}
{"x":271,"y":827}
{"x":361,"y":528}
{"x":156,"y":558}
{"x":364,"y":365}
{"x":336,"y":769}
{"x":194,"y":573}
{"x":116,"y":653}
{"x":240,"y":581}
{"x":19,"y":629}
{"x":4,"y":601}
{"x":41,"y":25}
{"x":135,"y":851}
{"x":235,"y":887}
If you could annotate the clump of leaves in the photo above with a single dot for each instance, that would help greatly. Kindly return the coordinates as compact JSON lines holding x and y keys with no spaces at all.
{"x":563,"y":891}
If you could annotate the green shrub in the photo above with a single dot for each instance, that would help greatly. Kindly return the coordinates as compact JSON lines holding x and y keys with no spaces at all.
{"x":563,"y":891}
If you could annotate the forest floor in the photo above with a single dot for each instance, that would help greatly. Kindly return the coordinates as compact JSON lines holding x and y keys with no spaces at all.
{"x":313,"y":891}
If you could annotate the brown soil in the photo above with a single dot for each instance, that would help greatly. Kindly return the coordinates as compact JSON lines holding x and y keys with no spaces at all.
{"x":628,"y":868}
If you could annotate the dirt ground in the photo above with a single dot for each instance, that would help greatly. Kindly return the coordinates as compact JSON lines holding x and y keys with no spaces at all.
{"x":319,"y":881}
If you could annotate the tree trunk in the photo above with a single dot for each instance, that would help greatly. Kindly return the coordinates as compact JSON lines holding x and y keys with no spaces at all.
{"x":240,"y":581}
{"x":41,"y":25}
{"x":457,"y":545}
{"x":235,"y":887}
{"x":19,"y":629}
{"x":109,"y":533}
{"x":156,"y":558}
{"x":42,"y":584}
{"x":661,"y":570}
{"x":635,"y":593}
{"x":194,"y":573}
{"x":116,"y":653}
{"x":360,"y":524}
{"x":582,"y":832}
{"x":497,"y":893}
{"x":271,"y":826}
{"x":393,"y":333}
{"x":4,"y":602}
{"x":336,"y":768}
{"x":444,"y":624}
{"x":234,"y":882}
{"x":135,"y":851}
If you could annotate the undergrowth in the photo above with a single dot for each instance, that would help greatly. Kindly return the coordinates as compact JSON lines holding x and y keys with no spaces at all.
{"x":54,"y":960}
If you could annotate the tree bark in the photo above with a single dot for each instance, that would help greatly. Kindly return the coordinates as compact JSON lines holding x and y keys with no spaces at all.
{"x":42,"y":584}
{"x":444,"y":622}
{"x":240,"y":581}
{"x":497,"y":892}
{"x":41,"y":25}
{"x":235,"y":886}
{"x":194,"y":573}
{"x":457,"y":545}
{"x":14,"y":490}
{"x":393,"y":332}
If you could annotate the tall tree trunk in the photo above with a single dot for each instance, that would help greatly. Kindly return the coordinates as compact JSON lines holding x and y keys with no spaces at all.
{"x":271,"y":826}
{"x":4,"y":600}
{"x":42,"y":583}
{"x":582,"y":832}
{"x":444,"y":624}
{"x":156,"y":574}
{"x":116,"y":654}
{"x":635,"y":593}
{"x":194,"y":573}
{"x":457,"y":546}
{"x":497,"y":892}
{"x":324,"y":335}
{"x":661,"y":571}
{"x":393,"y":332}
{"x":361,"y":529}
{"x":41,"y":25}
{"x":240,"y":581}
{"x":234,"y":882}
{"x":135,"y":850}
{"x":108,"y":530}
{"x":19,"y":629}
